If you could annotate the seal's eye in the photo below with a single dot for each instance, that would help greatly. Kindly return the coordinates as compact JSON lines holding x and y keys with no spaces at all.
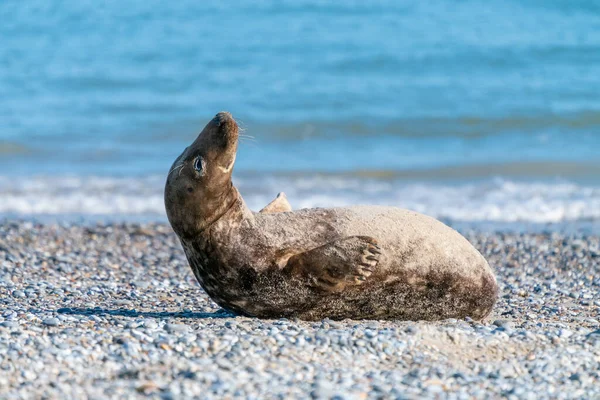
{"x":199,"y":164}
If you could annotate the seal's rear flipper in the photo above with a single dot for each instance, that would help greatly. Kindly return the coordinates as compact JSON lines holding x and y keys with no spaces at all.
{"x":335,"y":265}
{"x":280,"y":204}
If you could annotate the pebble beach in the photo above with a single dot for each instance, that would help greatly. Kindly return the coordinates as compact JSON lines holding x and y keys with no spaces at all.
{"x":113,"y":311}
{"x":485,"y":116}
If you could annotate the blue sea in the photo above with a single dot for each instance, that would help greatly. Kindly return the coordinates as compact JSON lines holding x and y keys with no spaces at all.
{"x":464,"y":110}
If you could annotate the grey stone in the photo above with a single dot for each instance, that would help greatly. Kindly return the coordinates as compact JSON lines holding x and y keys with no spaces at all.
{"x":51,"y":321}
{"x":177,"y":328}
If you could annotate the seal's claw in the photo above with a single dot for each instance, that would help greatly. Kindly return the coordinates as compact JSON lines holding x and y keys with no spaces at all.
{"x":373,"y":248}
{"x":355,"y":260}
{"x":367,"y":267}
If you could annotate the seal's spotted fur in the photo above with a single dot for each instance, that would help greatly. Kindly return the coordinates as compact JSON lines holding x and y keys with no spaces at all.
{"x":355,"y":262}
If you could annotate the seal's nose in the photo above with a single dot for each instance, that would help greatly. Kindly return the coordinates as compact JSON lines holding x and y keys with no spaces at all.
{"x":226,"y":124}
{"x":223,"y":117}
{"x":224,"y":114}
{"x":221,"y":131}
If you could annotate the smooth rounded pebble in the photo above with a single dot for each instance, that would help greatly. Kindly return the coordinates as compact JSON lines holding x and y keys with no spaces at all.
{"x":51,"y":322}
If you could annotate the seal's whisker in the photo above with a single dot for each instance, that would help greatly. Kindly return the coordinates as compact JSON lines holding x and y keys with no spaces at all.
{"x":252,"y":142}
{"x":247,"y":137}
{"x":174,"y":168}
{"x":241,"y":125}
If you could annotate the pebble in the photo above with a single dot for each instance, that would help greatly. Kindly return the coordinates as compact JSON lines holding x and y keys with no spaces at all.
{"x":132,"y":321}
{"x":565,"y":333}
{"x":176,"y":328}
{"x":51,"y":322}
{"x":150,"y":324}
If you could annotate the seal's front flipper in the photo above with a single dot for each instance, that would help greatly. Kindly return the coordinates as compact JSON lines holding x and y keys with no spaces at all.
{"x":335,"y":265}
{"x":280,"y":204}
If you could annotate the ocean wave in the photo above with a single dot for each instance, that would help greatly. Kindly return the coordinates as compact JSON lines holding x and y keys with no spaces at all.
{"x":498,"y":200}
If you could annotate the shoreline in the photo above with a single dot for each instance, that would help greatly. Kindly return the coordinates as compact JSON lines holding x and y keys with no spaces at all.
{"x":507,"y":201}
{"x":586,"y":227}
{"x":113,"y":310}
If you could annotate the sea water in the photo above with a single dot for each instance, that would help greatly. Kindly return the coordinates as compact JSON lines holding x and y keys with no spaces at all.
{"x":465,"y":110}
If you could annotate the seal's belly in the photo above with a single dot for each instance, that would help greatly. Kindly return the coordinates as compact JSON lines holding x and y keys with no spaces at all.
{"x":427,"y":270}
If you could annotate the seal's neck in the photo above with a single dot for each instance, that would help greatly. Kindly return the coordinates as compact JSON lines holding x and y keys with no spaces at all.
{"x":236,"y":211}
{"x":230,"y":209}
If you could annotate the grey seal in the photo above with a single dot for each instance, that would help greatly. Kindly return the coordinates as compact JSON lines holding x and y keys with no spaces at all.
{"x":363,"y":262}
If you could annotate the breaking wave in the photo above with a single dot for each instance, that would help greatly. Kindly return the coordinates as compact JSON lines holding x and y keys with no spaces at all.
{"x":498,"y":199}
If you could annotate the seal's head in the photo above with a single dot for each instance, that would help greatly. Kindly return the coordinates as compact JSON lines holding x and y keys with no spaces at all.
{"x":199,"y":189}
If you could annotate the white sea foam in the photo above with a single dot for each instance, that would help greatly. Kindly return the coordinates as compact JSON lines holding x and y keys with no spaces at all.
{"x":491,"y":200}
